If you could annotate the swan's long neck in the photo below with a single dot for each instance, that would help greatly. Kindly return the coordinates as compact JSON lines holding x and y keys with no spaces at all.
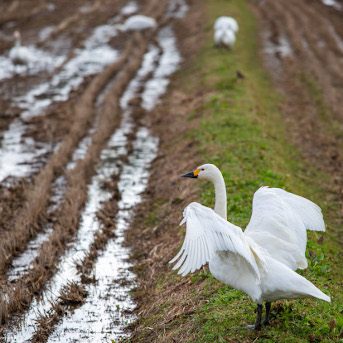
{"x":17,"y":42}
{"x":220,"y":194}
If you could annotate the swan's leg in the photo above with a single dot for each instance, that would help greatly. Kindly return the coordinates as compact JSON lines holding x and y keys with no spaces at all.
{"x":266,"y":317}
{"x":257,"y":325}
{"x":259,"y":317}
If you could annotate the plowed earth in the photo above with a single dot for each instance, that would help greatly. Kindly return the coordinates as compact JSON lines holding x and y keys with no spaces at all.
{"x":41,"y":208}
{"x":303,"y":49}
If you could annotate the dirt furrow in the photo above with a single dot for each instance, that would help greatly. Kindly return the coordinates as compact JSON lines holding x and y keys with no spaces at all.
{"x":311,"y":81}
{"x":37,"y":195}
{"x":325,"y":65}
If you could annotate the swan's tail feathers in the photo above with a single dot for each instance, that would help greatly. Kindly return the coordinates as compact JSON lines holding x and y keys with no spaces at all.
{"x":317,"y":293}
{"x":325,"y":297}
{"x":308,"y":211}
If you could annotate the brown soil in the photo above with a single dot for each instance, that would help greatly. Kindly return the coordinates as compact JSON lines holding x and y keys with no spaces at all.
{"x":310,"y":77}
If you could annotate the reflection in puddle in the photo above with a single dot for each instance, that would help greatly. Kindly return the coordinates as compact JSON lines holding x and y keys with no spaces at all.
{"x":22,"y":263}
{"x":87,"y":62}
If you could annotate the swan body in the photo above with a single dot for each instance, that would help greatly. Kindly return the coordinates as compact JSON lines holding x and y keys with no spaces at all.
{"x":261,"y":260}
{"x":224,"y":37}
{"x":223,"y":23}
{"x":20,"y":55}
{"x":139,"y":22}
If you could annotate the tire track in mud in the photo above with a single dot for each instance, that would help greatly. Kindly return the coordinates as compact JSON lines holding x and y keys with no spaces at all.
{"x":19,"y":296}
{"x":310,"y":77}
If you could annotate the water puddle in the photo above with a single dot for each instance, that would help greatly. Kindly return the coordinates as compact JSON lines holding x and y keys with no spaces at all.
{"x":275,"y":49}
{"x":19,"y":155}
{"x":282,"y":48}
{"x":177,"y":9}
{"x":22,"y":263}
{"x":15,"y":151}
{"x":41,"y":61}
{"x":87,"y":61}
{"x":168,"y":64}
{"x":334,"y":3}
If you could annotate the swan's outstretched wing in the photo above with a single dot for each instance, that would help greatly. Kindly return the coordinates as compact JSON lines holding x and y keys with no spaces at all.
{"x":310,"y":213}
{"x":279,"y":222}
{"x":206,"y":233}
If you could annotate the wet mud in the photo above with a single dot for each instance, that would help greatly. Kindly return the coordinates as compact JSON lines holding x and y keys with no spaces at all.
{"x":74,"y":159}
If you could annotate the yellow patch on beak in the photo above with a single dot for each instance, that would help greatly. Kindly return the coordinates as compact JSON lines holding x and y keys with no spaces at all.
{"x":196,"y":172}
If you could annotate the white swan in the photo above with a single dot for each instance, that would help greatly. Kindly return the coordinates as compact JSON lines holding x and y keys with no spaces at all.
{"x":255,"y":262}
{"x":279,"y":219}
{"x":139,"y":22}
{"x":20,"y":55}
{"x":224,"y":22}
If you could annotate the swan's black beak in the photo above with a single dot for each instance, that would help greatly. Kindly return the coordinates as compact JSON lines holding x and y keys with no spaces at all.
{"x":191,"y":174}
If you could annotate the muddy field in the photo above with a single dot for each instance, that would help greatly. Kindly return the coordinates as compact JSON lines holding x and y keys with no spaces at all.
{"x":302,"y":46}
{"x":79,"y":132}
{"x":74,"y":159}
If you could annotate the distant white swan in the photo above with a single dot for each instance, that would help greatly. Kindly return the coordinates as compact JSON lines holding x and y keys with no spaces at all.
{"x":139,"y":22}
{"x":20,"y":55}
{"x":258,"y":262}
{"x":225,"y":29}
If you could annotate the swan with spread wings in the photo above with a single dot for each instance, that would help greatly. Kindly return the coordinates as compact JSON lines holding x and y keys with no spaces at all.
{"x":261,"y":260}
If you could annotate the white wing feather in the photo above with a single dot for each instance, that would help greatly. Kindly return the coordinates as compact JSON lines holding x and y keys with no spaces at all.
{"x":207,"y":233}
{"x":279,"y":221}
{"x":310,"y":213}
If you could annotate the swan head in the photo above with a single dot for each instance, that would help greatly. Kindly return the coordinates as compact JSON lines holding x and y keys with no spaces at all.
{"x":207,"y":172}
{"x":16,"y":34}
